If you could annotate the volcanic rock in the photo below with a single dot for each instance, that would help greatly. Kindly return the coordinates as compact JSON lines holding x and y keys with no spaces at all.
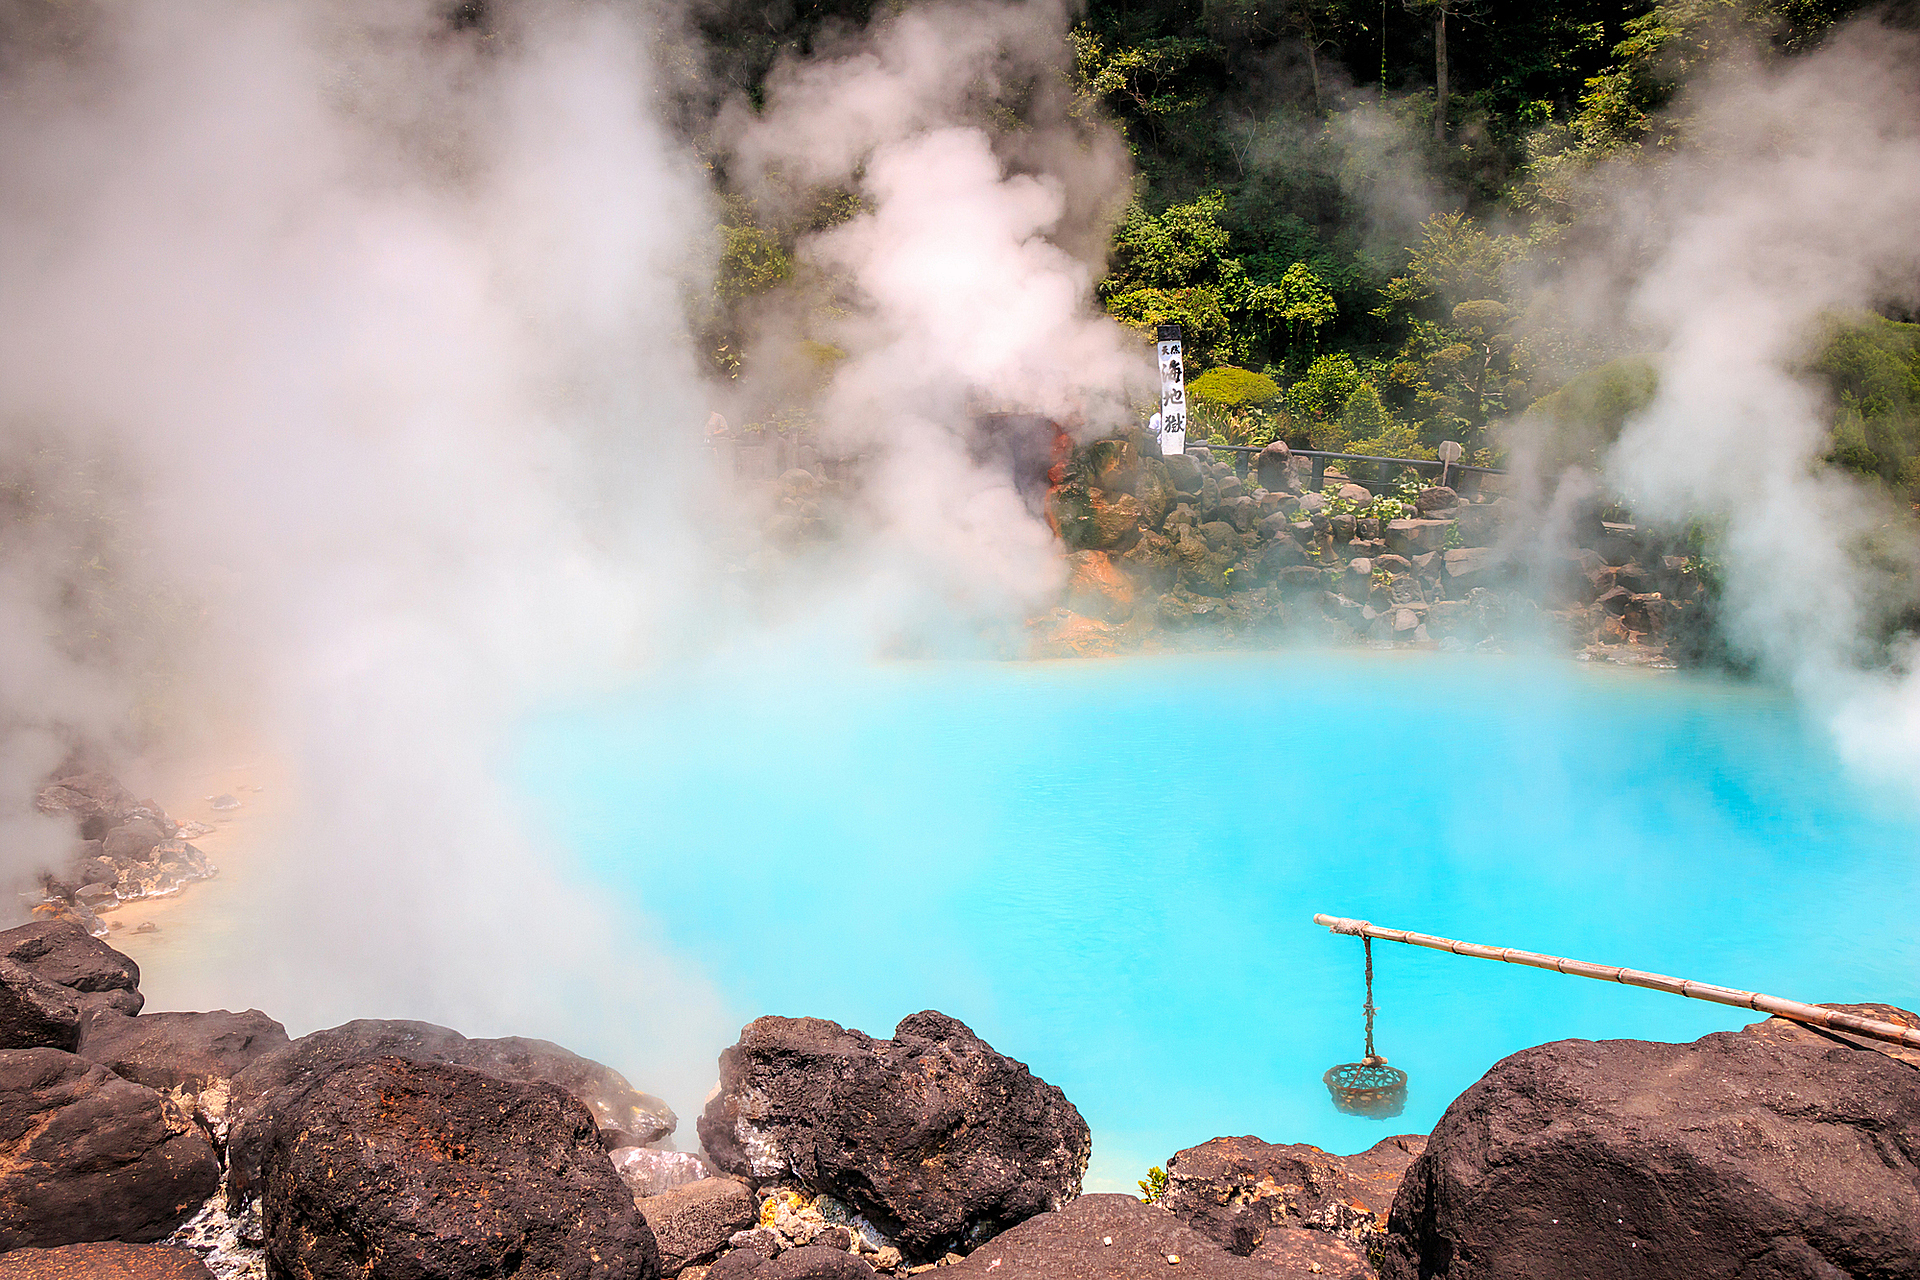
{"x":1283,"y":553}
{"x":1470,"y":566}
{"x":104,"y":1261}
{"x":1761,"y":1154}
{"x":1184,"y":474}
{"x":1096,"y":588}
{"x":95,"y":800}
{"x":1357,"y":494}
{"x":192,"y":1057}
{"x":1154,"y":490}
{"x":174,"y":865}
{"x":1116,"y":519}
{"x":648,"y":1172}
{"x":427,"y":1170}
{"x":35,"y":1013}
{"x":134,"y":840}
{"x":65,"y":953}
{"x":1480,"y":521}
{"x":1273,"y":468}
{"x":1072,"y":1243}
{"x":627,"y":1117}
{"x":693,"y":1223}
{"x":85,"y":1155}
{"x":1411,"y":537}
{"x":933,"y":1135}
{"x":1239,"y":1191}
{"x":1150,"y":561}
{"x":811,"y":1262}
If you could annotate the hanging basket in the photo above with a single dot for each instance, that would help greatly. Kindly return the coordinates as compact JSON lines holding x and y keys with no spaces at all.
{"x":1367,"y":1088}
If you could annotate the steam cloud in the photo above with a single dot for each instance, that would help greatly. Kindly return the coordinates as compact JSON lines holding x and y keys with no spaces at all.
{"x":379,"y":326}
{"x":1796,"y":196}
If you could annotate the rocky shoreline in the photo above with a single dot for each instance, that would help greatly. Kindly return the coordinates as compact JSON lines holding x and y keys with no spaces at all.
{"x":1186,"y":551}
{"x":138,"y":1144}
{"x":126,"y":850}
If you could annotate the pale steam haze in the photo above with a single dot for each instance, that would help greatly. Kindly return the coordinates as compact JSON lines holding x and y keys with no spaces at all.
{"x":1796,"y":195}
{"x":965,"y":283}
{"x":379,"y":330}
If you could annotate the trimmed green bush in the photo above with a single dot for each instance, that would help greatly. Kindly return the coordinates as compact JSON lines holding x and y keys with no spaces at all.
{"x":1229,"y":388}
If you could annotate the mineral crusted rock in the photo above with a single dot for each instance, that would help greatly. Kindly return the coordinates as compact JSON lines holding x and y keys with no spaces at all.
{"x":648,"y":1172}
{"x":438,"y":1172}
{"x":934,"y":1136}
{"x":111,"y":1260}
{"x":190,"y":1057}
{"x":1760,"y":1154}
{"x":85,"y":1155}
{"x":693,"y":1223}
{"x":232,"y":1245}
{"x":1238,"y":1192}
{"x":276,"y":1080}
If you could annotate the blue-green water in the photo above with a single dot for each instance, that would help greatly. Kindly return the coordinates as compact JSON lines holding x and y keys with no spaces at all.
{"x":1109,"y":869}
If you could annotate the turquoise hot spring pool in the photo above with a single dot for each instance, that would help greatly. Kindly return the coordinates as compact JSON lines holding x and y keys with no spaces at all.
{"x":1109,"y":870}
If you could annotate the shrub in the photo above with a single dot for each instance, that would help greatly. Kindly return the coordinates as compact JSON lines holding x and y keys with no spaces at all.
{"x":1323,"y":392}
{"x":1230,"y":388}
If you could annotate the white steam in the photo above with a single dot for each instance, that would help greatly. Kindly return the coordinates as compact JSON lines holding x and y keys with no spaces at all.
{"x":382,"y":326}
{"x":967,"y":283}
{"x":385,"y":320}
{"x":1798,"y":194}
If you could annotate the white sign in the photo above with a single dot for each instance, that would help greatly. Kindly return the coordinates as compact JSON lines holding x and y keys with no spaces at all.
{"x":1173,"y":399}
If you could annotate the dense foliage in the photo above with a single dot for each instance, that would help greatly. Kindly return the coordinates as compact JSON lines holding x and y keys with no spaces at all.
{"x":1337,"y":197}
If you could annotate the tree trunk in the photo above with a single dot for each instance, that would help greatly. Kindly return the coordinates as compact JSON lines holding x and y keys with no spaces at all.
{"x":1440,"y":75}
{"x":1313,"y":65}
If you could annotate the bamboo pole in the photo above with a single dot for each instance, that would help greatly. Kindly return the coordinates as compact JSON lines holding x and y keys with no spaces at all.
{"x":1813,"y":1015}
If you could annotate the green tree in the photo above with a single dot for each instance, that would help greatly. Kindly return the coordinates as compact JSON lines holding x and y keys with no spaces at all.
{"x":1306,"y":304}
{"x":1321,"y":395}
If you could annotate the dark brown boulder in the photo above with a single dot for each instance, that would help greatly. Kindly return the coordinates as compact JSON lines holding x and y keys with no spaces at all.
{"x":626,"y":1116}
{"x":692,"y":1223}
{"x":1239,"y":1191}
{"x":424,"y":1170}
{"x":95,"y":801}
{"x":62,"y":952}
{"x":134,"y":840}
{"x":193,"y":1056}
{"x":811,"y":1262}
{"x":1763,"y":1154}
{"x":85,"y":1155}
{"x":935,"y":1137}
{"x":104,"y":1261}
{"x":1273,"y":468}
{"x":1073,"y":1244}
{"x":35,"y":1013}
